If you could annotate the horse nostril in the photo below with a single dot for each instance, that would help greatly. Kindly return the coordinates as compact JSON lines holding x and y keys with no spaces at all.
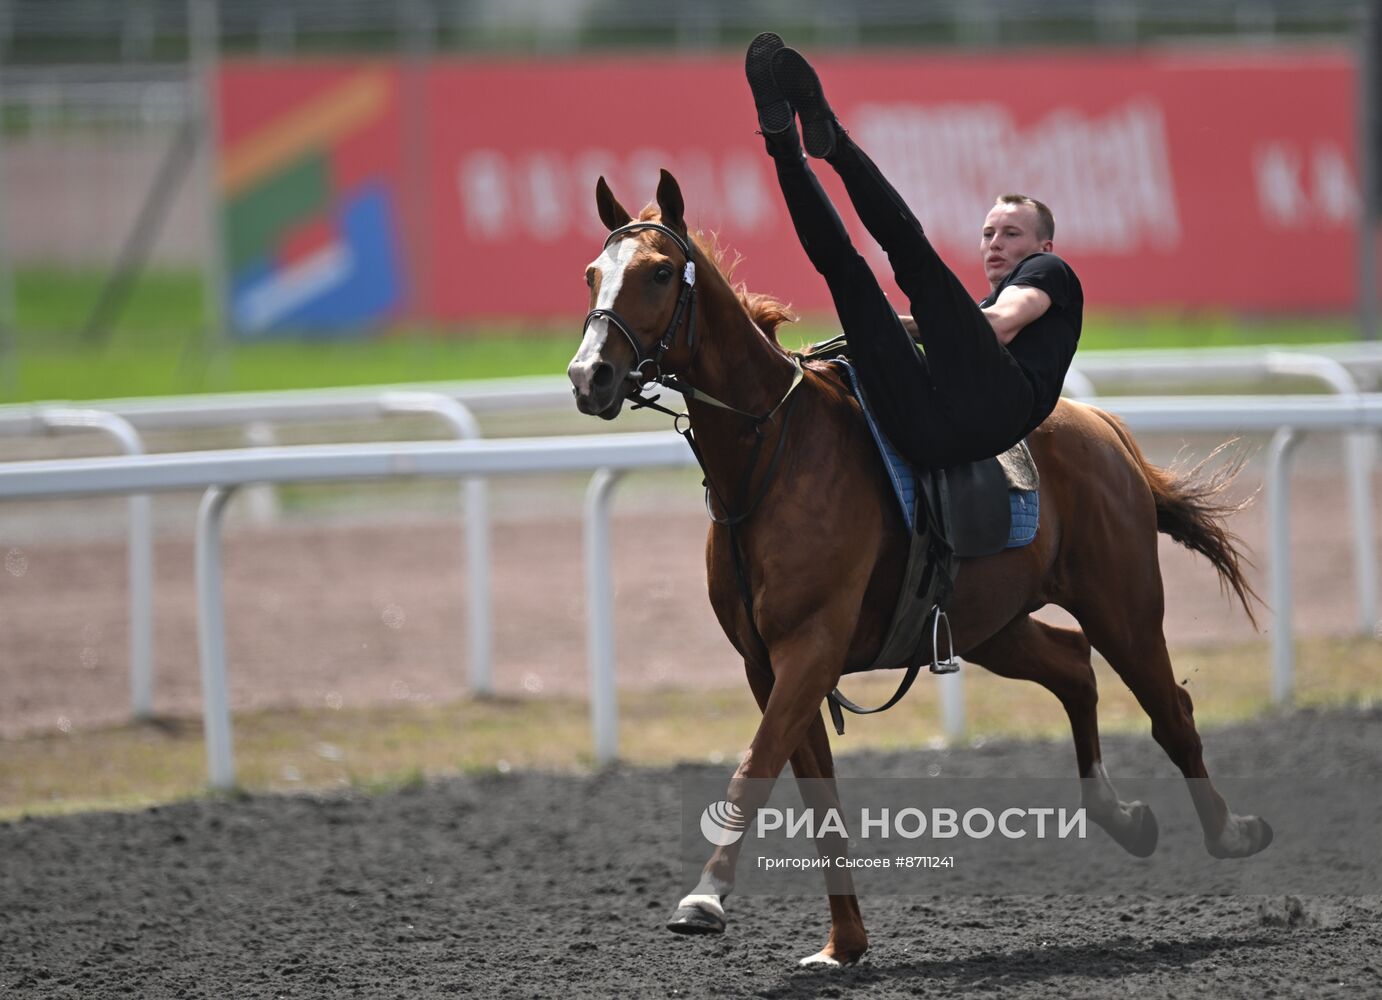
{"x":603,"y":377}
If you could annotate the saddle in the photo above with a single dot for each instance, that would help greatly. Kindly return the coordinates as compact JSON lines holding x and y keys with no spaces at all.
{"x":961,"y":512}
{"x":979,"y":513}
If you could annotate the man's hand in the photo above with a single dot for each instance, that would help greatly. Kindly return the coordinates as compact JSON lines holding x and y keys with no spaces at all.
{"x":1017,"y":306}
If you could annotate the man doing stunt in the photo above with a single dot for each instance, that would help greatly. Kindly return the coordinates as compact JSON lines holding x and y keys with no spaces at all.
{"x":990,"y":372}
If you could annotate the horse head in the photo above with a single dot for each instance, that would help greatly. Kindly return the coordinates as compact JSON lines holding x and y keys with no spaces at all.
{"x":642,"y":287}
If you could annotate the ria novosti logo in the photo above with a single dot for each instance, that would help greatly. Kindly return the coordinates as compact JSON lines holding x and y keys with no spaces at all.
{"x":723,"y":823}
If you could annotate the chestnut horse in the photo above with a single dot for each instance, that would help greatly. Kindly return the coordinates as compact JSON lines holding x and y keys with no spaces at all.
{"x":786,"y":450}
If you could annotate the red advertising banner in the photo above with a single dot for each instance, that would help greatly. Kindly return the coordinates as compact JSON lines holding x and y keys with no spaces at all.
{"x":1178,"y":179}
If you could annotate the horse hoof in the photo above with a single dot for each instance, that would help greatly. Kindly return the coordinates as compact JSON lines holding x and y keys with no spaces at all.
{"x":1138,"y":832}
{"x":695,"y":920}
{"x":1142,"y":844}
{"x":820,"y":960}
{"x":1243,"y":837}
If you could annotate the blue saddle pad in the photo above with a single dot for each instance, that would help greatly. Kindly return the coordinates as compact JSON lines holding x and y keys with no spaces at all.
{"x":1025,"y":504}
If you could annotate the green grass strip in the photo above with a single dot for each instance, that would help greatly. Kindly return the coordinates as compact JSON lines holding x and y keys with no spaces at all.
{"x":158,"y":346}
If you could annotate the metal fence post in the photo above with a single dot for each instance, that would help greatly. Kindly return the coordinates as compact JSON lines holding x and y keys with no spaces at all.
{"x":261,"y":500}
{"x":475,"y":499}
{"x":599,"y":589}
{"x":9,"y":355}
{"x":141,"y":549}
{"x":1358,"y":453}
{"x":1284,"y":442}
{"x":204,"y":38}
{"x":211,"y":636}
{"x":952,"y":694}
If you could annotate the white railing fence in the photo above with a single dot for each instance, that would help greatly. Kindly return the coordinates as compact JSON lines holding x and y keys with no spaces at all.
{"x":221,"y":472}
{"x":1337,"y":367}
{"x":119,"y":422}
{"x":611,"y":455}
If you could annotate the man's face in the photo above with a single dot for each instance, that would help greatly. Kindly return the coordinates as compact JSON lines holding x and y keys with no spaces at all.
{"x":1009,"y":236}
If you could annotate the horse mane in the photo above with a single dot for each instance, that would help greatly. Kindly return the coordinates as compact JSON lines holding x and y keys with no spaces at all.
{"x":768,"y":313}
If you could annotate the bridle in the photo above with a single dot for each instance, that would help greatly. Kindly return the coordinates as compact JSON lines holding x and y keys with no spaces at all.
{"x":686,"y":306}
{"x":685,"y":310}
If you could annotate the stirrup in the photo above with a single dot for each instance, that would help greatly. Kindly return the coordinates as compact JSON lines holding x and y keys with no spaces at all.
{"x":951,"y":663}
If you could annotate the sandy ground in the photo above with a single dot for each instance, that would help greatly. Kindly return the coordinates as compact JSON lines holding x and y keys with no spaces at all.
{"x":540,"y":885}
{"x":533,"y":885}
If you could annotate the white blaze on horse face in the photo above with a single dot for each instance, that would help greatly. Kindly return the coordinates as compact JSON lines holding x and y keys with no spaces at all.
{"x":611,"y":264}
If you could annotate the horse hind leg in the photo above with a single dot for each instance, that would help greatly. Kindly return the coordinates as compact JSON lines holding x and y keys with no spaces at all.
{"x":1058,"y":660}
{"x":1124,"y":624}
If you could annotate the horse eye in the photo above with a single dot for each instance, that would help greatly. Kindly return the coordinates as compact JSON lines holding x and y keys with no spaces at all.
{"x":662,"y":275}
{"x":590,"y":279}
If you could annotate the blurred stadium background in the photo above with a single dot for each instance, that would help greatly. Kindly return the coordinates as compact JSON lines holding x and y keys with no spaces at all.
{"x":262,"y":194}
{"x":370,"y":166}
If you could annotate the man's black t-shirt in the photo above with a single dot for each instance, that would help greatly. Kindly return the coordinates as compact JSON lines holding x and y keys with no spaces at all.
{"x":1044,"y":348}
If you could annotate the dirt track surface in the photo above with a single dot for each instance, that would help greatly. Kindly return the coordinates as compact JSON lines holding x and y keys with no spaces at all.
{"x":556,"y":886}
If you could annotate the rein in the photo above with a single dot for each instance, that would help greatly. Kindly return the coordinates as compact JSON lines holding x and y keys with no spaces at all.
{"x":734,"y":520}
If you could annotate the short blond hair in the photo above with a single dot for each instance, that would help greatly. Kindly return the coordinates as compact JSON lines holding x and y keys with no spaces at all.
{"x":1046,"y":222}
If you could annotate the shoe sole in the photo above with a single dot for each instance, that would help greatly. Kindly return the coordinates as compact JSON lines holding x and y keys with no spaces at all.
{"x":774,"y":112}
{"x":799,"y":84}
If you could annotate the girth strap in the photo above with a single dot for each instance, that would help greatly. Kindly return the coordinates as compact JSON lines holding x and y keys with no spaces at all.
{"x":837,"y":701}
{"x":935,"y":589}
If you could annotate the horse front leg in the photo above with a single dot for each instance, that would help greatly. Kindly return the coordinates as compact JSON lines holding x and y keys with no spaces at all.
{"x":805,"y":669}
{"x":814,"y":767}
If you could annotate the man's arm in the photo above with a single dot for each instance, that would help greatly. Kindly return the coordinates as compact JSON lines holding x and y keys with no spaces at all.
{"x":1017,"y":306}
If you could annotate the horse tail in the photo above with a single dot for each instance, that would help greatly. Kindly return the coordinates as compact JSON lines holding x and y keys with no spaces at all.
{"x":1191,"y":508}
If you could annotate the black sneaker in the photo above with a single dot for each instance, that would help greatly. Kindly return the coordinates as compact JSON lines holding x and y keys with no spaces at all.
{"x":774,"y":113}
{"x":799,"y":84}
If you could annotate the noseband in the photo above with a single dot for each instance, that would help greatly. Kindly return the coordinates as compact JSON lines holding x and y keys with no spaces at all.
{"x":686,"y":306}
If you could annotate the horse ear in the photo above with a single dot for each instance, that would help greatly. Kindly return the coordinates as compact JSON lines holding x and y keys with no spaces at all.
{"x":612,"y":214}
{"x":670,"y":202}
